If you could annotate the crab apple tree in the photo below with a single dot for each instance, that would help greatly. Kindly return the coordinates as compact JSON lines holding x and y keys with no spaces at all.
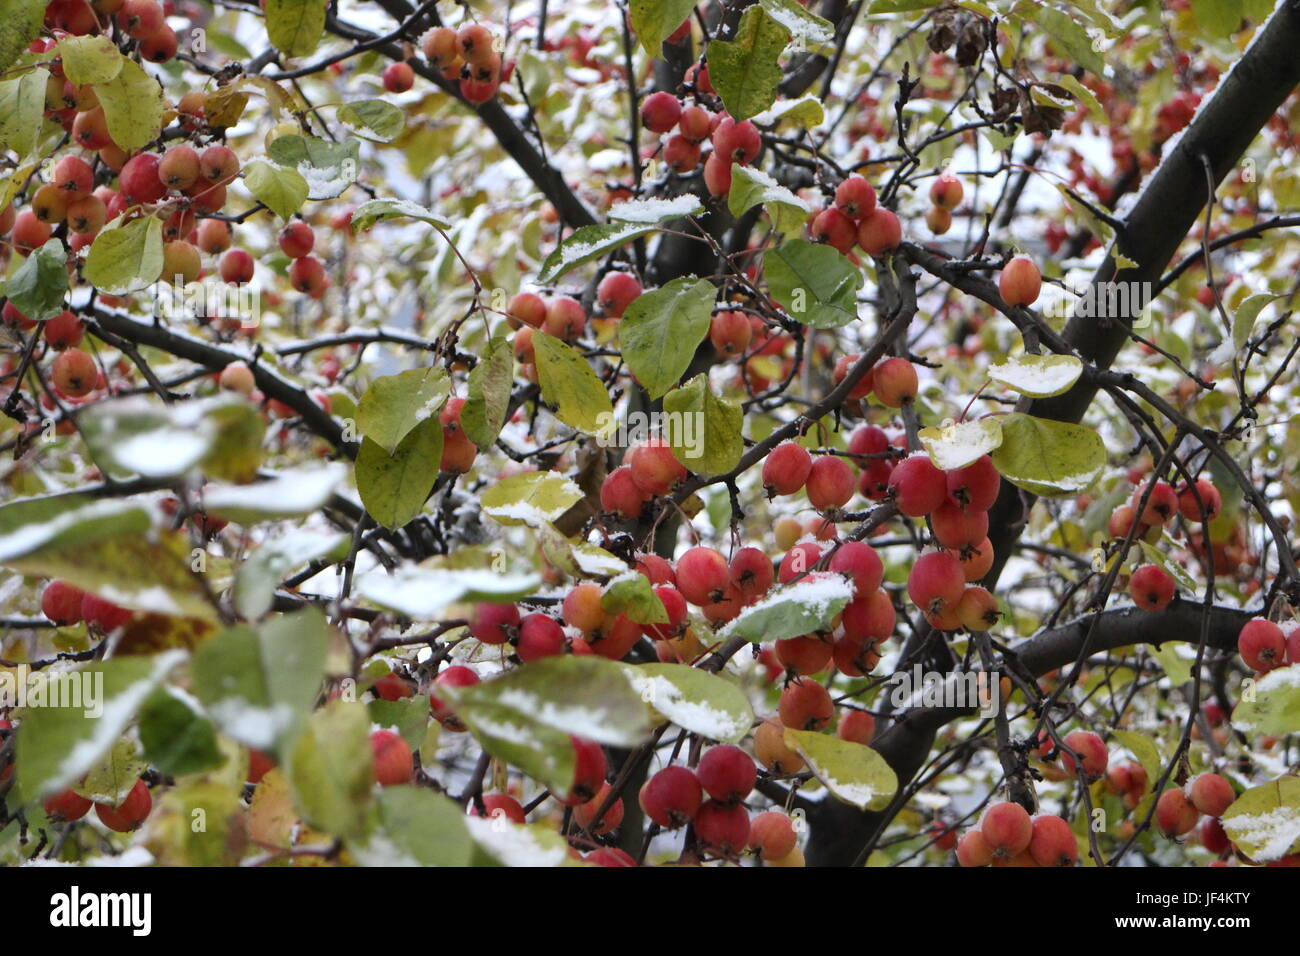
{"x":567,"y":432}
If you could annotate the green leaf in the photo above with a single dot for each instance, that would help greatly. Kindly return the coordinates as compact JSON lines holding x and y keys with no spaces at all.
{"x":633,"y":595}
{"x":589,"y":243}
{"x":1217,"y":18}
{"x":792,"y":610}
{"x":126,"y":258}
{"x":259,"y":684}
{"x":651,"y":211}
{"x":958,"y":444}
{"x":576,"y":557}
{"x":525,"y":716}
{"x":1264,"y":822}
{"x":1048,"y":458}
{"x":133,"y":106}
{"x":901,"y":6}
{"x":38,"y":286}
{"x":176,"y":739}
{"x":22,"y":106}
{"x":114,"y":776}
{"x":295,"y":27}
{"x":408,"y":716}
{"x":331,"y":769}
{"x":376,"y":119}
{"x":394,"y":405}
{"x":655,"y":21}
{"x":750,"y":186}
{"x":705,"y":429}
{"x":1038,"y":376}
{"x":814,"y":32}
{"x":381,"y":210}
{"x":328,"y":167}
{"x":59,"y":744}
{"x":813,"y":283}
{"x":236,"y":453}
{"x":395,"y":487}
{"x":512,"y":844}
{"x":1176,"y":667}
{"x":107,"y":547}
{"x":745,"y":71}
{"x":851,"y":771}
{"x":1069,"y":36}
{"x":139,"y":435}
{"x":293,"y":493}
{"x":533,"y":498}
{"x":1273,"y":707}
{"x":660,"y":331}
{"x":1243,"y":322}
{"x":484,"y":412}
{"x":90,"y":59}
{"x":570,"y":385}
{"x":281,"y":190}
{"x":806,"y":112}
{"x":21,"y":24}
{"x":416,"y":827}
{"x":1083,"y":95}
{"x":423,"y":593}
{"x":258,"y":575}
{"x":695,"y":700}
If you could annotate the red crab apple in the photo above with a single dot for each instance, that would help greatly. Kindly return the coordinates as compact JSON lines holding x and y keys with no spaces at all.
{"x":1161,"y":503}
{"x":128,"y":814}
{"x":1211,"y":794}
{"x":1151,"y":588}
{"x":1175,"y":814}
{"x":894,"y":382}
{"x":772,"y":834}
{"x":74,"y":177}
{"x":879,"y":232}
{"x":66,"y":806}
{"x":1209,"y":506}
{"x":855,"y":197}
{"x":61,"y":602}
{"x":1262,"y":644}
{"x":297,"y":239}
{"x":588,"y":771}
{"x":804,"y":655}
{"x":539,"y":636}
{"x":974,"y":850}
{"x":975,"y":487}
{"x":1092,"y":753}
{"x":140,"y":18}
{"x":1052,"y":842}
{"x":139,"y":180}
{"x":585,"y":813}
{"x":736,"y":142}
{"x":307,"y":275}
{"x":861,"y":564}
{"x":75,"y":373}
{"x":393,"y":762}
{"x":835,"y":229}
{"x":798,"y":560}
{"x":398,"y":77}
{"x":494,"y":623}
{"x":726,"y":773}
{"x":455,"y":676}
{"x":946,"y":192}
{"x":218,"y":164}
{"x":660,"y":112}
{"x":672,"y":797}
{"x":857,"y":726}
{"x":500,"y":806}
{"x":722,"y":827}
{"x":616,"y":292}
{"x":1007,"y":830}
{"x":830,"y":483}
{"x":805,"y":705}
{"x":703,"y":575}
{"x":786,"y":469}
{"x":936,"y":581}
{"x":1020,"y":282}
{"x":918,"y":487}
